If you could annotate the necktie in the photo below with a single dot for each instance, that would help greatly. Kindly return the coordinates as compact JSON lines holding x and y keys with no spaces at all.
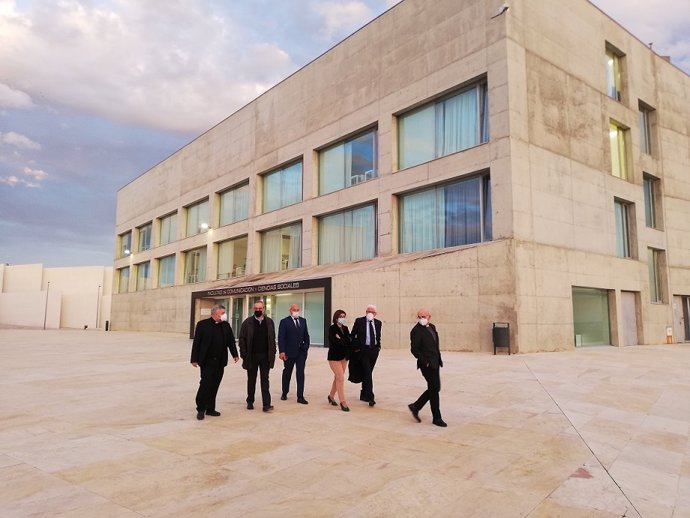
{"x":372,"y":337}
{"x":297,"y":322}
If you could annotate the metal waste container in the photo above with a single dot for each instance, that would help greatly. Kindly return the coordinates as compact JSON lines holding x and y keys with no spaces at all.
{"x":501,"y":335}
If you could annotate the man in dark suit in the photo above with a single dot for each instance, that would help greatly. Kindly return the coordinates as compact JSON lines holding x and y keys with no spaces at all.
{"x":212,"y":339}
{"x":258,"y":352}
{"x":424,"y":344}
{"x":366,"y":339}
{"x":293,"y":344}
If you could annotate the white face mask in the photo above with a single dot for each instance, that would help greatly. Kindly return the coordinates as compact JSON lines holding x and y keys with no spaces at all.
{"x":224,"y":317}
{"x":370,"y":316}
{"x":342,"y":321}
{"x":423,"y":321}
{"x":295,"y":314}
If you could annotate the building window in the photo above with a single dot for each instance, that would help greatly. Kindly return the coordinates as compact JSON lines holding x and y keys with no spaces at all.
{"x":281,"y":248}
{"x":197,"y":218}
{"x":613,"y":73}
{"x":166,"y":271}
{"x":655,"y":263}
{"x":619,"y":163}
{"x":144,"y":237}
{"x":125,"y":244}
{"x":443,"y":127}
{"x":234,"y":204}
{"x":645,"y":129}
{"x":144,"y":276}
{"x":282,"y":187}
{"x":453,"y":214}
{"x":348,"y":236}
{"x":591,"y":319}
{"x":651,"y":196}
{"x":195,"y":265}
{"x":623,"y":212}
{"x":347,"y":163}
{"x":232,"y":258}
{"x":123,"y":280}
{"x":168,"y":228}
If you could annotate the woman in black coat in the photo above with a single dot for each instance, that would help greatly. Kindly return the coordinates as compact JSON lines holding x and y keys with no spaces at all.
{"x":338,"y":355}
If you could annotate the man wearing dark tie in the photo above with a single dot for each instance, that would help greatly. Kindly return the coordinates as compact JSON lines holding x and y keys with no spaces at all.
{"x":213,"y":337}
{"x":293,"y":344}
{"x":424,"y":344}
{"x":366,"y":339}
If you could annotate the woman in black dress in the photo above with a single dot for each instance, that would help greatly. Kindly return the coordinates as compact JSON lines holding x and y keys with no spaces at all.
{"x":338,"y":354}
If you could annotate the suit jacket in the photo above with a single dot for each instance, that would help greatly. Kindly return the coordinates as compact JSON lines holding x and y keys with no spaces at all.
{"x":424,"y":344}
{"x":202,"y":341}
{"x":292,"y":338}
{"x":247,"y":341}
{"x":359,"y":333}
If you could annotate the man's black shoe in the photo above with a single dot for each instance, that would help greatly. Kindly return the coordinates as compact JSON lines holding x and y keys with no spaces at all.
{"x":250,"y":406}
{"x":283,"y":397}
{"x":302,"y":401}
{"x":200,"y":416}
{"x":440,"y":422}
{"x":268,"y":408}
{"x":213,"y":413}
{"x":372,"y":402}
{"x":415,"y":412}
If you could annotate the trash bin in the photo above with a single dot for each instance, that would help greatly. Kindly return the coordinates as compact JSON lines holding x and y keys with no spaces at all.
{"x":107,"y":324}
{"x":501,"y":335}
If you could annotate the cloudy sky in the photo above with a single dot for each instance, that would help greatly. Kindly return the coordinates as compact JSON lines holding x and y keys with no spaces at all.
{"x":95,"y":92}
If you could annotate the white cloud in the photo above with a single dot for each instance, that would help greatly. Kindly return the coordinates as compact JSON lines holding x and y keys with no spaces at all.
{"x":36,"y":174}
{"x":172,"y":65}
{"x":342,"y":17}
{"x":21,"y":141}
{"x":10,"y":180}
{"x":11,"y":98}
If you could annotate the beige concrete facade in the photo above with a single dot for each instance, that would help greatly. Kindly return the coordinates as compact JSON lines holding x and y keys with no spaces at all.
{"x":548,"y":156}
{"x":54,"y":298}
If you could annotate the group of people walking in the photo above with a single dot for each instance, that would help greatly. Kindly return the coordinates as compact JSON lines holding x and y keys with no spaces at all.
{"x":353,"y":351}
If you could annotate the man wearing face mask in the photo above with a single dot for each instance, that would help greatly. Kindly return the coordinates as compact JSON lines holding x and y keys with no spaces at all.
{"x":424,"y":344}
{"x":366,"y":340}
{"x":213,"y":337}
{"x":293,"y":344}
{"x":258,"y":352}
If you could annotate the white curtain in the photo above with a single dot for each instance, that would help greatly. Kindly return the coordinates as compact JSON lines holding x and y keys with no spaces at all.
{"x":457,"y":123}
{"x":423,"y":224}
{"x":294,"y":234}
{"x":348,"y":236}
{"x":271,"y":251}
{"x":331,"y":177}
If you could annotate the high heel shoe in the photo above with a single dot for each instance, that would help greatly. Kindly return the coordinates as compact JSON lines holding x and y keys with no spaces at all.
{"x":344,"y":408}
{"x":331,"y":401}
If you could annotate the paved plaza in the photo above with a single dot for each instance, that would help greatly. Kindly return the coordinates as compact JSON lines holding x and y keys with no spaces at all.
{"x":102,"y":424}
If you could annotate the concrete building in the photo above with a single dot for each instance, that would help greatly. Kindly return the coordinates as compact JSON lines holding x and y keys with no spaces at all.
{"x":55,"y":298}
{"x":530,"y":167}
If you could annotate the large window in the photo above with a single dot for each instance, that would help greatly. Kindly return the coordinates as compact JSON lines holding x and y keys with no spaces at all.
{"x":234,"y":204}
{"x":123,"y":280}
{"x":453,"y":214}
{"x":281,"y":248}
{"x":623,"y":213}
{"x":613,"y":73}
{"x":195,"y":265}
{"x":645,"y":129}
{"x":348,"y":236}
{"x":197,"y":218}
{"x":619,"y":163}
{"x":591,"y":316}
{"x":144,"y":237}
{"x":232,"y":258}
{"x":443,"y":127}
{"x":348,"y":163}
{"x":166,"y":271}
{"x":144,"y":276}
{"x":282,"y":187}
{"x":655,"y":263}
{"x":125,"y":244}
{"x":168,"y":229}
{"x":651,"y":196}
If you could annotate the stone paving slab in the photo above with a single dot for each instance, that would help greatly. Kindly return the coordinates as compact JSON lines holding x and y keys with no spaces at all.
{"x":103,"y":424}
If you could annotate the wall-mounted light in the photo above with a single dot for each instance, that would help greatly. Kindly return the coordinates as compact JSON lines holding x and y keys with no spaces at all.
{"x":204,"y":227}
{"x":127,"y":251}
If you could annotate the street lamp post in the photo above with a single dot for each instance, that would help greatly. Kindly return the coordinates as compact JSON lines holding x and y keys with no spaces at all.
{"x":45,"y":309}
{"x":98,"y":304}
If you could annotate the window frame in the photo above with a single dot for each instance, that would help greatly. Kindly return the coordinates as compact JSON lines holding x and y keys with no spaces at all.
{"x":281,"y":228}
{"x":655,"y":265}
{"x":624,"y":215}
{"x":368,"y":175}
{"x":646,"y":113}
{"x":124,"y":244}
{"x":619,"y":151}
{"x":651,"y":189}
{"x":614,"y":73}
{"x":343,"y":237}
{"x":244,"y":186}
{"x":145,"y":230}
{"x":143,"y":283}
{"x":237,"y":270}
{"x":170,"y":235}
{"x":201,"y":271}
{"x":283,"y":172}
{"x":120,"y":279}
{"x":162,"y":271}
{"x":197,"y":218}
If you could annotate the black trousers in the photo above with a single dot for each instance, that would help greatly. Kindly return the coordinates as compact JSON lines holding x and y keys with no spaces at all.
{"x":259,"y":363}
{"x":433,"y":387}
{"x":300,"y":360}
{"x":368,"y":359}
{"x":211,"y":376}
